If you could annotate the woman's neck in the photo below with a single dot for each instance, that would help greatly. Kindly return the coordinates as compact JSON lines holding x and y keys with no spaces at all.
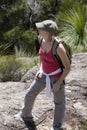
{"x":49,"y":40}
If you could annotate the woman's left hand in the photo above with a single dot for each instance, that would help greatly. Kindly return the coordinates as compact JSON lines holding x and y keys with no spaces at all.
{"x":55,"y":88}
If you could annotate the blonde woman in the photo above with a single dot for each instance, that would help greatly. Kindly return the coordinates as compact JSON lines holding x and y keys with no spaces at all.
{"x":50,"y":75}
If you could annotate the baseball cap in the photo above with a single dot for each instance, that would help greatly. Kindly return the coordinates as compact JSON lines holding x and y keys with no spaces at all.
{"x":48,"y":25}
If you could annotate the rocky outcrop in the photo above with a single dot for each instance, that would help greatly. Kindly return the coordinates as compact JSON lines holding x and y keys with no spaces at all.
{"x":12,"y":96}
{"x":77,"y":85}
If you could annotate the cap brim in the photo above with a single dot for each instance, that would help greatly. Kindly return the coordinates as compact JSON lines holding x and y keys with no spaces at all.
{"x":39,"y":25}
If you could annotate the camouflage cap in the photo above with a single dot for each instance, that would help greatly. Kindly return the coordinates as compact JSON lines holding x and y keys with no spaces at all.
{"x":48,"y":25}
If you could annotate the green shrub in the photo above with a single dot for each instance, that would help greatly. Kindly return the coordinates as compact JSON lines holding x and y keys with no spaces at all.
{"x":20,"y":39}
{"x":27,"y":42}
{"x":13,"y":68}
{"x":73,"y":24}
{"x":83,"y":125}
{"x":15,"y":29}
{"x":9,"y":68}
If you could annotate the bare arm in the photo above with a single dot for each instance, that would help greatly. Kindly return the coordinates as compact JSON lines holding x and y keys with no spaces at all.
{"x":37,"y":73}
{"x":65,"y":61}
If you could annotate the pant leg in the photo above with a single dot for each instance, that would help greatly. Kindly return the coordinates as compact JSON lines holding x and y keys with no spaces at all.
{"x":59,"y":102}
{"x":36,"y":87}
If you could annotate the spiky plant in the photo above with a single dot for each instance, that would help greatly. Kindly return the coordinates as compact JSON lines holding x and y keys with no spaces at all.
{"x":73,"y":25}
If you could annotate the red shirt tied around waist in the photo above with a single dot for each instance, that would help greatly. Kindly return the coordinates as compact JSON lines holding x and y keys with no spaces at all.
{"x":48,"y":63}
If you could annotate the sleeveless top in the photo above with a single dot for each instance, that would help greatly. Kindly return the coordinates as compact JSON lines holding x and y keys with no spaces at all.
{"x":48,"y":63}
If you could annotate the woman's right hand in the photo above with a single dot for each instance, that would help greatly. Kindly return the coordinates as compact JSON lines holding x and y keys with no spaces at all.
{"x":37,"y":75}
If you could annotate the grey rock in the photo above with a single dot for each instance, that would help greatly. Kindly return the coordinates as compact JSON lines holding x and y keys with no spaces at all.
{"x":12,"y":97}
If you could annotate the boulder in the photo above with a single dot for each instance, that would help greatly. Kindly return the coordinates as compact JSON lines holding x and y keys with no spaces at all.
{"x":12,"y":98}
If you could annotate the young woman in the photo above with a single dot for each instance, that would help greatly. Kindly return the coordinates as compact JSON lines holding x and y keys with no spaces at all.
{"x":50,"y":75}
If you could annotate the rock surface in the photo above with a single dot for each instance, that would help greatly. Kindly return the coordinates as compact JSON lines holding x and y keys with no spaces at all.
{"x":12,"y":96}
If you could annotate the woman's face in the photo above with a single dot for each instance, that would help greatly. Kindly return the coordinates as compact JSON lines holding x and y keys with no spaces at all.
{"x":44,"y":34}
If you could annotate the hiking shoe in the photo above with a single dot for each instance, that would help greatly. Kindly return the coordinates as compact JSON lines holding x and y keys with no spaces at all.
{"x":30,"y":124}
{"x":57,"y":129}
{"x":18,"y":117}
{"x":61,"y":129}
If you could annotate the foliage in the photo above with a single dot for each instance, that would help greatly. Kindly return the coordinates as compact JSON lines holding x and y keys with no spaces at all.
{"x":22,"y":39}
{"x":50,"y":8}
{"x":28,"y":39}
{"x":12,"y":14}
{"x":12,"y":68}
{"x":17,"y":31}
{"x":9,"y":68}
{"x":73,"y":24}
{"x":14,"y":33}
{"x":83,"y":125}
{"x":68,"y":4}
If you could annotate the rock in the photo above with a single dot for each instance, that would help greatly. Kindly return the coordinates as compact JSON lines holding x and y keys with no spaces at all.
{"x":81,"y":110}
{"x":12,"y":97}
{"x":30,"y":74}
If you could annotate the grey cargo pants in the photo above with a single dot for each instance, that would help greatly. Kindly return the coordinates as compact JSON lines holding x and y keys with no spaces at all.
{"x":59,"y":100}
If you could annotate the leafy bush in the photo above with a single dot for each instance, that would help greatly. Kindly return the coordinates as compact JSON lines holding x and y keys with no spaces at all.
{"x":83,"y":125}
{"x":21,"y":39}
{"x":15,"y":28}
{"x":17,"y":23}
{"x":28,"y":41}
{"x":48,"y":8}
{"x":12,"y":68}
{"x":73,"y":24}
{"x":9,"y":68}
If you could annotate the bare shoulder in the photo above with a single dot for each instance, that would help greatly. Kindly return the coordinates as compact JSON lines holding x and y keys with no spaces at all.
{"x":61,"y":48}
